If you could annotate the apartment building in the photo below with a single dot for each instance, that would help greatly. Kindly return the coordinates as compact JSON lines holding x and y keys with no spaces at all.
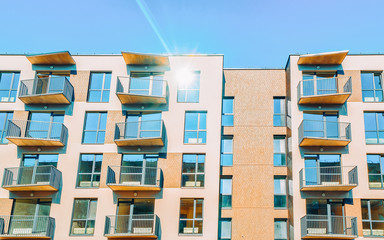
{"x":110,"y":146}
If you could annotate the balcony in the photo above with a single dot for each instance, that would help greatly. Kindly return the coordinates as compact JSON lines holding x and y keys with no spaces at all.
{"x":26,"y":227}
{"x":132,"y":226}
{"x":328,"y":227}
{"x":38,"y":178}
{"x":35,"y":133}
{"x":48,"y":90}
{"x":313,"y":133}
{"x":141,"y":90}
{"x":140,"y":133}
{"x":335,"y":90}
{"x":328,"y":179}
{"x":124,"y":178}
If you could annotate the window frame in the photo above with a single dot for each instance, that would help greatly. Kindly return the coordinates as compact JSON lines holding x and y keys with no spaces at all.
{"x":194,"y":219}
{"x":3,"y":132}
{"x":280,"y":194}
{"x":222,"y":152}
{"x":369,"y":220}
{"x":198,"y":130}
{"x":102,"y":90}
{"x":284,"y":114}
{"x":284,"y":138}
{"x":196,"y":173}
{"x":227,"y":178}
{"x":381,"y":174}
{"x":377,"y":131}
{"x":374,"y":89}
{"x":86,"y":219}
{"x":97,"y":130}
{"x":224,"y":114}
{"x":11,"y":85}
{"x":186,"y":90}
{"x":92,"y":173}
{"x":221,"y":227}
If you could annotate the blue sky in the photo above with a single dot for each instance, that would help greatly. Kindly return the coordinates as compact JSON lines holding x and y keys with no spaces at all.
{"x":250,"y":33}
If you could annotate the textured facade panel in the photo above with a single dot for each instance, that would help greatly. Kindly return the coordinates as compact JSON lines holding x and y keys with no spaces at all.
{"x":80,"y":82}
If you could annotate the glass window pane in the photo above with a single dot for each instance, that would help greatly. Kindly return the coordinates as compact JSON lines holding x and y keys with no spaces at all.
{"x":364,"y":209}
{"x":190,"y":137}
{"x":377,"y":210}
{"x":225,"y":229}
{"x":89,"y":137}
{"x":370,"y":121}
{"x":226,"y":186}
{"x":228,"y":105}
{"x":373,"y":163}
{"x":366,"y":81}
{"x":280,"y":186}
{"x":191,"y":121}
{"x":199,"y":208}
{"x":226,"y":159}
{"x":203,"y":121}
{"x":96,"y":81}
{"x":91,"y":121}
{"x":280,"y":201}
{"x":80,"y":210}
{"x":281,"y":229}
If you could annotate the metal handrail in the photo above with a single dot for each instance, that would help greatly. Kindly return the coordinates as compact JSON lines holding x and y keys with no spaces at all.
{"x":155,"y":90}
{"x":320,"y":225}
{"x":26,"y":226}
{"x":35,"y":175}
{"x":140,"y":132}
{"x":136,"y":176}
{"x":28,"y":87}
{"x":37,"y":130}
{"x":328,"y":176}
{"x":136,"y":224}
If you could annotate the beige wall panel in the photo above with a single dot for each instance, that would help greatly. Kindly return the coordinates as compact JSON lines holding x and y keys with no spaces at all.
{"x":253,"y":223}
{"x":356,"y":85}
{"x":355,"y":211}
{"x":80,"y":83}
{"x":109,"y":159}
{"x":20,"y":115}
{"x":5,"y":206}
{"x":171,"y":168}
{"x":113,"y":117}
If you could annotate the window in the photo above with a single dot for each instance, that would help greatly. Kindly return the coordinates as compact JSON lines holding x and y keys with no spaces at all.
{"x":226,"y":192}
{"x":94,"y":128}
{"x":193,"y":170}
{"x":371,"y":86}
{"x":375,"y":170}
{"x":225,"y":229}
{"x":9,"y":82}
{"x":47,"y":125}
{"x":281,"y":229}
{"x":280,"y":191}
{"x":89,"y":170}
{"x":4,"y":117}
{"x":227,"y":151}
{"x":195,"y":131}
{"x":373,"y":217}
{"x":83,"y":217}
{"x":279,"y":151}
{"x":374,"y":127}
{"x":279,"y":112}
{"x":189,"y":87}
{"x":191,"y":216}
{"x":147,"y":83}
{"x":227,"y":118}
{"x":99,"y":85}
{"x":143,"y":125}
{"x":319,"y":83}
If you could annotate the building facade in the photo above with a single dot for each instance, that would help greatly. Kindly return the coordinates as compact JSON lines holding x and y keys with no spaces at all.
{"x":142,"y":146}
{"x":89,"y":152}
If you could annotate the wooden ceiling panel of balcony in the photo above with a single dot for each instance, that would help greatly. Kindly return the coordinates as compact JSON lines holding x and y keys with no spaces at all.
{"x":329,"y":58}
{"x":144,"y":59}
{"x":57,"y":58}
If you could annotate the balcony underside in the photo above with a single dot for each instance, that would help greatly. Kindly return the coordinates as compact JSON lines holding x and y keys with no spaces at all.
{"x":31,"y":188}
{"x":323,"y":142}
{"x":23,"y":237}
{"x":126,"y":98}
{"x":55,"y":98}
{"x":123,"y":187}
{"x":337,"y":98}
{"x":329,"y":186}
{"x":130,"y":236}
{"x":29,"y":142}
{"x":140,"y":142}
{"x":330,"y":236}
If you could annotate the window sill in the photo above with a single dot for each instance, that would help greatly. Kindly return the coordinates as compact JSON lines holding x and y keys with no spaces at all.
{"x":190,"y":234}
{"x":192,"y":187}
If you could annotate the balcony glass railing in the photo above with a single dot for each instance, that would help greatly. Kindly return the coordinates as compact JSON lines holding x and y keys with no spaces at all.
{"x":30,"y":176}
{"x":133,"y":176}
{"x":37,"y":130}
{"x":132,"y":225}
{"x":139,"y":130}
{"x":46,"y":85}
{"x":328,"y":176}
{"x":329,"y":226}
{"x":324,"y":86}
{"x":146,"y":86}
{"x":325,"y":130}
{"x":26,"y":227}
